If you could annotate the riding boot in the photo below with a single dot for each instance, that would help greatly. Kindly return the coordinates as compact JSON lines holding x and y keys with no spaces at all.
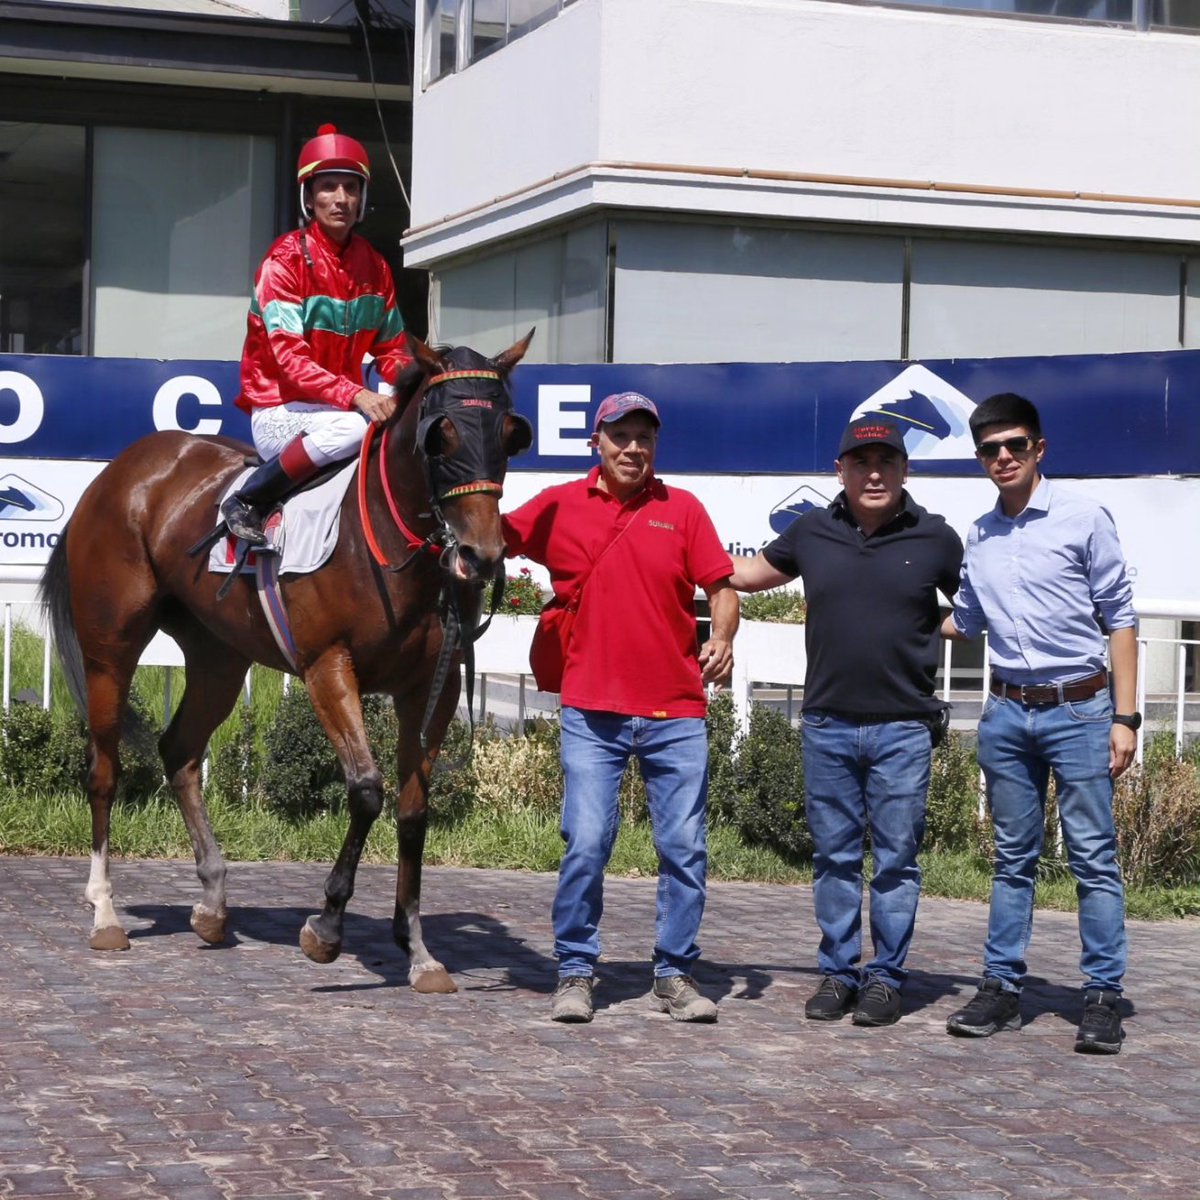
{"x":245,"y":510}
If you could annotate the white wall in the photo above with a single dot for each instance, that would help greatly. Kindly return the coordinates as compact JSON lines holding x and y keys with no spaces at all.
{"x":811,"y":87}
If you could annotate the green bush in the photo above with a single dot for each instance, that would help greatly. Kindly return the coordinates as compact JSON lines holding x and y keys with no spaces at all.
{"x":952,"y":812}
{"x":300,"y":775}
{"x":1157,"y":810}
{"x":756,"y":782}
{"x":782,"y":605}
{"x":46,"y":751}
{"x":235,"y":762}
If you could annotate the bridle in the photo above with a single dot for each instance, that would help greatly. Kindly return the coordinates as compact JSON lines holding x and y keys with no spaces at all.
{"x":478,"y":467}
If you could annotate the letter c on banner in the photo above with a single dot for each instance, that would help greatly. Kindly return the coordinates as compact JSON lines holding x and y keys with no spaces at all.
{"x":166,"y":403}
{"x":31,"y":408}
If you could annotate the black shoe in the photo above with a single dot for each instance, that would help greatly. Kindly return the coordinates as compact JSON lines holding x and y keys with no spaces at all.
{"x":878,"y":1004}
{"x":992,"y":1010}
{"x":831,"y":1001}
{"x":1100,"y":1030}
{"x":243,"y":521}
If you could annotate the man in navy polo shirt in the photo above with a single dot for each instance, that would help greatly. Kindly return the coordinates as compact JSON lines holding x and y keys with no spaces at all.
{"x":633,"y":687}
{"x":872,"y":564}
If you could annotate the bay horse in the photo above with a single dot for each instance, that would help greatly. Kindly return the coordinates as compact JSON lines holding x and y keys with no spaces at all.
{"x":122,"y":570}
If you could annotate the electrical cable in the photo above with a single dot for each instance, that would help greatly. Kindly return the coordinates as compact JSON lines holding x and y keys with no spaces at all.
{"x":387,"y":145}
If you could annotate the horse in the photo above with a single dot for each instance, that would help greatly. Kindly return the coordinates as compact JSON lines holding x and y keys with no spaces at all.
{"x":369,"y":621}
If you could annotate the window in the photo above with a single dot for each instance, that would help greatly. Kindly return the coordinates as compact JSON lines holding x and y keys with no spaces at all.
{"x":524,"y":15}
{"x":1118,"y":11}
{"x":488,"y":26}
{"x":440,"y":42}
{"x":557,"y":284}
{"x":42,"y":252}
{"x":459,"y":32}
{"x":179,"y":221}
{"x":981,"y":300}
{"x":1175,"y":14}
{"x":741,"y":292}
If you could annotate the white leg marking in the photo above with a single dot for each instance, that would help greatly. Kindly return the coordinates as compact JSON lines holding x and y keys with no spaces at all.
{"x":98,"y":892}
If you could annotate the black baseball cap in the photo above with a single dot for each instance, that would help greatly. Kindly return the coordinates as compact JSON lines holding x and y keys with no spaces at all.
{"x":872,"y":429}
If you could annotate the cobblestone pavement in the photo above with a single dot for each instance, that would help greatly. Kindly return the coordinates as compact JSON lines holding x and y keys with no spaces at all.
{"x":195,"y":1073}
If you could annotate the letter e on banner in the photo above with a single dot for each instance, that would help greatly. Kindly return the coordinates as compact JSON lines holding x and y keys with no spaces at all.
{"x":166,"y":403}
{"x":554,"y":418}
{"x":31,"y":408}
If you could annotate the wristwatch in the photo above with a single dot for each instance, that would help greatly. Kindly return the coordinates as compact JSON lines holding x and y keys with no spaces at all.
{"x":1129,"y":720}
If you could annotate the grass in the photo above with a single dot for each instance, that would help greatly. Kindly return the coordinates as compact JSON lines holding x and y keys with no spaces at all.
{"x":517,"y":840}
{"x":517,"y":828}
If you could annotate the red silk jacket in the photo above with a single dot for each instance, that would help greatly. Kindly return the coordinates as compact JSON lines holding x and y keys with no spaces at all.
{"x":317,"y":309}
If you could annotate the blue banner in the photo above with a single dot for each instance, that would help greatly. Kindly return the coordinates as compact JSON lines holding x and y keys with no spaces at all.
{"x":1103,"y":415}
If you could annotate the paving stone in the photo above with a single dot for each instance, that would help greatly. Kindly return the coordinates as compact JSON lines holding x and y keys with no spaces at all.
{"x":231,"y":1073}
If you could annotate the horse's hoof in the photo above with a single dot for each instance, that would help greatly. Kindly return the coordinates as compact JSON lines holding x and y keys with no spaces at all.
{"x":111,"y":937}
{"x":315,"y":948}
{"x":209,"y":925}
{"x":433,"y":981}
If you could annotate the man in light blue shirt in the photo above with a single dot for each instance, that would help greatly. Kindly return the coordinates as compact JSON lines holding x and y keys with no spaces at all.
{"x":1042,"y":571}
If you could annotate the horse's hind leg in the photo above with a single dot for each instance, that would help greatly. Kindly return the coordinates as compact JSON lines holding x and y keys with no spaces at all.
{"x":107,"y":691}
{"x":214,"y":675}
{"x":414,"y":766}
{"x":333,"y":689}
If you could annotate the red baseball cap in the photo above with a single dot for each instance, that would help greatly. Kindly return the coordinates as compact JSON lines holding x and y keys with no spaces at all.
{"x":621,"y":404}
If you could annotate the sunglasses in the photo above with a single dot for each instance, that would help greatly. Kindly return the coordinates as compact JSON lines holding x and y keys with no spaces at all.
{"x":1014,"y":445}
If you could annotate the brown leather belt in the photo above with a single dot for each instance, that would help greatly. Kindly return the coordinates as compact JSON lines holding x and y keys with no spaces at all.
{"x":1038,"y":694}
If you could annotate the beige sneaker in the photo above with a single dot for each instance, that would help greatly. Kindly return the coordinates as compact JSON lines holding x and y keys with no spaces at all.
{"x":572,"y":1000}
{"x":677,"y":995}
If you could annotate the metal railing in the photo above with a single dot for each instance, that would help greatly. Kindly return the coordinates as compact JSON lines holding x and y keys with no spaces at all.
{"x":769,"y":666}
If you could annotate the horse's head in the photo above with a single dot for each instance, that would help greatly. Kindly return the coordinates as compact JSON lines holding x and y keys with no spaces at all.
{"x":467,"y":431}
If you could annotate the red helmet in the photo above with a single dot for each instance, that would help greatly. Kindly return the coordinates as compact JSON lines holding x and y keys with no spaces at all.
{"x":332,"y":151}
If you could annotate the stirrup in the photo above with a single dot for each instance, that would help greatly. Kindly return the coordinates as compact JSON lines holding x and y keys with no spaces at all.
{"x":243,"y":521}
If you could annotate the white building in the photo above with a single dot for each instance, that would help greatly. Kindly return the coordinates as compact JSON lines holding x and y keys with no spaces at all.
{"x":794,"y":180}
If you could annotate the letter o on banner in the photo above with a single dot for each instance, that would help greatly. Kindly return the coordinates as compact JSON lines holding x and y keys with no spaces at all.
{"x":31,"y":408}
{"x":166,"y":403}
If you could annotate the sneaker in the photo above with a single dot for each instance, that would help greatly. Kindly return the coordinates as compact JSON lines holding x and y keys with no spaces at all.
{"x":677,"y":995}
{"x":1100,"y":1030}
{"x":572,"y":1000}
{"x":992,"y":1010}
{"x":831,"y":1001}
{"x":878,"y":1004}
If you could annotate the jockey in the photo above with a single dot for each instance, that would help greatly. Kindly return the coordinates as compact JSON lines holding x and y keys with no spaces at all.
{"x":323,"y":298}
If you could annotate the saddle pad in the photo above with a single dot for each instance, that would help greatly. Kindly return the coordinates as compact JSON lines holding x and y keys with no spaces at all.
{"x":310,"y":521}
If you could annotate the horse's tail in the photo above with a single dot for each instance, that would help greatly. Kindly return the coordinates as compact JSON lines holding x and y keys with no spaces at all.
{"x":55,"y":593}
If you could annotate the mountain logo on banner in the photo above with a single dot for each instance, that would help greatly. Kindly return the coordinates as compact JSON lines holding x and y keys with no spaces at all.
{"x":802,"y":500}
{"x":933,"y":414}
{"x":21,"y":501}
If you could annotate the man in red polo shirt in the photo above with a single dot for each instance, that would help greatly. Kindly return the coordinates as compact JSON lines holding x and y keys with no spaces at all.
{"x":633,"y":686}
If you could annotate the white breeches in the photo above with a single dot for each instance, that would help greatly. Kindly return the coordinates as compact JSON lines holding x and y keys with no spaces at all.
{"x":329,"y":433}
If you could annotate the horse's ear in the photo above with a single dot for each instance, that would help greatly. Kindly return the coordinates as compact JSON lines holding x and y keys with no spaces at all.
{"x":429,"y":360}
{"x":514,"y":353}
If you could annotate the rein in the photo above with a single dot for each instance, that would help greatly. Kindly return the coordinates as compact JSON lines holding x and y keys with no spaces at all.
{"x":438,"y":542}
{"x":415,"y":544}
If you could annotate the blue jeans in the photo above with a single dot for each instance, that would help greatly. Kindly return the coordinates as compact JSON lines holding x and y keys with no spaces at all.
{"x":673,"y":756}
{"x":1018,"y":748}
{"x":860,"y":777}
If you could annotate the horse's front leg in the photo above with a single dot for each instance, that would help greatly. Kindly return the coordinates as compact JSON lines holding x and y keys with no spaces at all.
{"x":333,"y":689}
{"x":425,"y":973}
